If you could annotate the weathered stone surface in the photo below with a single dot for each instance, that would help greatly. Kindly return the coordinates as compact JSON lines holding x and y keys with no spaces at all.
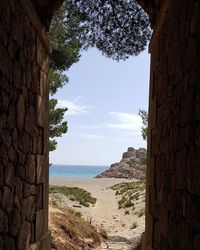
{"x":29,"y":190}
{"x":24,"y":209}
{"x":3,"y":222}
{"x":1,"y":243}
{"x":41,"y":223}
{"x":23,"y":80}
{"x":20,"y":112}
{"x":40,"y":111}
{"x":9,"y":243}
{"x":29,"y":120}
{"x":9,"y":175}
{"x":131,"y":165}
{"x":15,"y":222}
{"x":12,"y":154}
{"x":42,"y":164}
{"x":7,"y":199}
{"x":17,"y":203}
{"x":39,"y":197}
{"x":24,"y":236}
{"x":19,"y":187}
{"x":31,"y":169}
{"x":173,"y":190}
{"x":31,"y":210}
{"x":6,"y":137}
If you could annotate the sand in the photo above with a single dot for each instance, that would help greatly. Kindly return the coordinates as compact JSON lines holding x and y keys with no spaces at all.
{"x":105,"y":214}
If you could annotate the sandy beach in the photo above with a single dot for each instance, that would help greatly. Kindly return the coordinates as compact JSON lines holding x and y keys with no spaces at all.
{"x":105,"y":213}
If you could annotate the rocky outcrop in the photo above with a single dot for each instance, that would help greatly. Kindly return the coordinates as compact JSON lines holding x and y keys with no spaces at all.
{"x":131,"y":166}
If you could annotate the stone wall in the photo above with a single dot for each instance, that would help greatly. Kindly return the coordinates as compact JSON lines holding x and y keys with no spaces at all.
{"x":23,"y":128}
{"x":173,"y":173}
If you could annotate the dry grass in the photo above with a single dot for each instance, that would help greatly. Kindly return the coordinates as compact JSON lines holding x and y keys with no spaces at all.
{"x":103,"y":233}
{"x":70,"y":232}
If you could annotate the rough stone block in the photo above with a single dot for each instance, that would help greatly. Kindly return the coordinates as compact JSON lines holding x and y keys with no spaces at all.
{"x":39,"y":197}
{"x":9,"y":175}
{"x":9,"y":243}
{"x":30,"y":120}
{"x":46,"y":194}
{"x":3,"y":222}
{"x":40,"y":111}
{"x":41,"y":223}
{"x":31,"y":169}
{"x":24,"y":236}
{"x":31,"y":204}
{"x":42,"y":168}
{"x":41,"y":56}
{"x":7,"y":200}
{"x":15,"y":223}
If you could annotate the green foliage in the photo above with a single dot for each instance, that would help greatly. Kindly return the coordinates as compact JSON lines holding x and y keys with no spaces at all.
{"x":65,"y":45}
{"x":129,"y":192}
{"x":75,"y":194}
{"x":118,"y":28}
{"x":74,"y":212}
{"x":143,"y":161}
{"x":56,"y":126}
{"x":144,"y":115}
{"x":140,"y":213}
{"x":64,"y":31}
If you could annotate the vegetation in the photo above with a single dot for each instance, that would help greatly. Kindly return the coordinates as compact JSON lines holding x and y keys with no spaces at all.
{"x":140,"y":213}
{"x":74,"y":212}
{"x":118,"y":28}
{"x":144,"y":115}
{"x":129,"y":193}
{"x":65,"y":45}
{"x":75,"y":194}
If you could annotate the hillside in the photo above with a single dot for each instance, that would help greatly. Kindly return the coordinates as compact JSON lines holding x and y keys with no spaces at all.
{"x":132,"y":165}
{"x":71,"y":233}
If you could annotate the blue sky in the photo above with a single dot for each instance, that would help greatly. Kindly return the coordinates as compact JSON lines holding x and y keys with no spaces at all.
{"x":103,"y":98}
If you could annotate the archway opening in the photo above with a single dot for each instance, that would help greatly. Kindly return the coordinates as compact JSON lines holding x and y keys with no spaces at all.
{"x":103,"y":98}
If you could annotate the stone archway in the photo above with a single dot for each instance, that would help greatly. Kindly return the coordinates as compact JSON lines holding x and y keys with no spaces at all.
{"x":173,"y":173}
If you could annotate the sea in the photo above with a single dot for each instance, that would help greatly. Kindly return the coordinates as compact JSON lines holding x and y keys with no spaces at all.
{"x":76,"y":171}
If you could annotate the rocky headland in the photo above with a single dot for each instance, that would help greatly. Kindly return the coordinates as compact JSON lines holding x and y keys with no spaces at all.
{"x":131,"y":166}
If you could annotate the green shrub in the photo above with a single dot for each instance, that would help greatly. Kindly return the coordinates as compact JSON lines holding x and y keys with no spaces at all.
{"x":75,"y":213}
{"x":75,"y":194}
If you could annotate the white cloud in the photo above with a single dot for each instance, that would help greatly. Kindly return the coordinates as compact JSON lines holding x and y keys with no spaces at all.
{"x":126,"y":121}
{"x":93,"y":126}
{"x":93,"y":136}
{"x":129,"y":124}
{"x":74,"y":108}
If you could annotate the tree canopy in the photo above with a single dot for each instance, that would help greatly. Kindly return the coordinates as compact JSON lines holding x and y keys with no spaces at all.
{"x":144,"y":115}
{"x":65,"y":45}
{"x":118,"y":28}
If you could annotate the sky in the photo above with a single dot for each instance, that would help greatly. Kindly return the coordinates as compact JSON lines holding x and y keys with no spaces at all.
{"x":103,"y":98}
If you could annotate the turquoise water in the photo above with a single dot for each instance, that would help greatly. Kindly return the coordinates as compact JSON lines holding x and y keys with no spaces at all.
{"x":76,"y":171}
